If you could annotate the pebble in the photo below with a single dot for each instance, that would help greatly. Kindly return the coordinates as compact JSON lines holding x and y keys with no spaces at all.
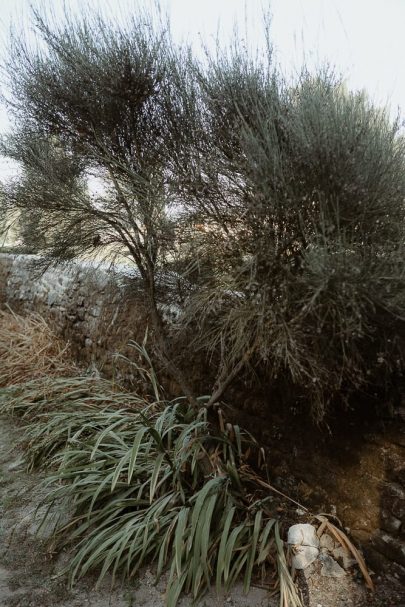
{"x":330,"y":568}
{"x":342,"y":555}
{"x":326,"y":542}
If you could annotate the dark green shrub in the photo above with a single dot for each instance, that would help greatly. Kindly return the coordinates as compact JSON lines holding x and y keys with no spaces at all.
{"x":285,"y":202}
{"x":301,"y":191}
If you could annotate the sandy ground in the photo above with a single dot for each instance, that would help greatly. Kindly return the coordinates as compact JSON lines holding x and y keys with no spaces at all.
{"x":31,"y":573}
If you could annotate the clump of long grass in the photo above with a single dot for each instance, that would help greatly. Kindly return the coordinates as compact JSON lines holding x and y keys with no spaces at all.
{"x":150,"y":482}
{"x":64,"y":406}
{"x":29,"y":349}
{"x":159,"y":485}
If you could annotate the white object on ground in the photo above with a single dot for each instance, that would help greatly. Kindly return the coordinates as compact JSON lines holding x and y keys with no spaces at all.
{"x":304,"y":544}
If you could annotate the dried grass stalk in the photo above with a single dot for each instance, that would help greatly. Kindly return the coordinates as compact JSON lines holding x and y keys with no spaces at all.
{"x":30,"y":349}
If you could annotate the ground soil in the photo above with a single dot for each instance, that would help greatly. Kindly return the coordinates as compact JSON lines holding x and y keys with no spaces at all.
{"x":31,"y":572}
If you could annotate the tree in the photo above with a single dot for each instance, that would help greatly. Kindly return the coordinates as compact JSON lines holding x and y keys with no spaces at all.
{"x":283,"y":202}
{"x":301,"y":272}
{"x":94,"y":100}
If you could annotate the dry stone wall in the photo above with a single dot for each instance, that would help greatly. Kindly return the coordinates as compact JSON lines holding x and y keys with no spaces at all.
{"x":94,"y":310}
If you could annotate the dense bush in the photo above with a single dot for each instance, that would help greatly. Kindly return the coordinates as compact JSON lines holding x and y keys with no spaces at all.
{"x":301,"y":262}
{"x":283,"y":202}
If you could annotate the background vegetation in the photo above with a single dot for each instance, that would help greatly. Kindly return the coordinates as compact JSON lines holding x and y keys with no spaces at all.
{"x":280,"y":205}
{"x":278,"y":208}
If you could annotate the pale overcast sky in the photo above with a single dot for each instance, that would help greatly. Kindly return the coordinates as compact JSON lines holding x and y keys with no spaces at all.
{"x":364,"y":39}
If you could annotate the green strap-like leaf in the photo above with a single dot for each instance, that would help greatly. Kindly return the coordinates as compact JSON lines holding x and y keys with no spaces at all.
{"x":252,"y":550}
{"x":222,"y":547}
{"x":179,"y":545}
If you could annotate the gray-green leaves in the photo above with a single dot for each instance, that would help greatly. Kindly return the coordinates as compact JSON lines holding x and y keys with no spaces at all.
{"x":149,"y":482}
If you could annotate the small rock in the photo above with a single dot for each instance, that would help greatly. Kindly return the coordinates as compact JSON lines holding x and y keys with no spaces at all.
{"x":343,"y":556}
{"x":303,"y":534}
{"x":303,"y":556}
{"x":330,"y":568}
{"x":326,"y":542}
{"x":304,"y":543}
{"x":389,"y":522}
{"x":392,"y":548}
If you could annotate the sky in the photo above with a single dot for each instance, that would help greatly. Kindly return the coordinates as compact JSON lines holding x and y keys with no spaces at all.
{"x":363,"y":39}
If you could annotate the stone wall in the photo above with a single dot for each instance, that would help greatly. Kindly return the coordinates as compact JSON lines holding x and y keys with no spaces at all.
{"x":93,"y":309}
